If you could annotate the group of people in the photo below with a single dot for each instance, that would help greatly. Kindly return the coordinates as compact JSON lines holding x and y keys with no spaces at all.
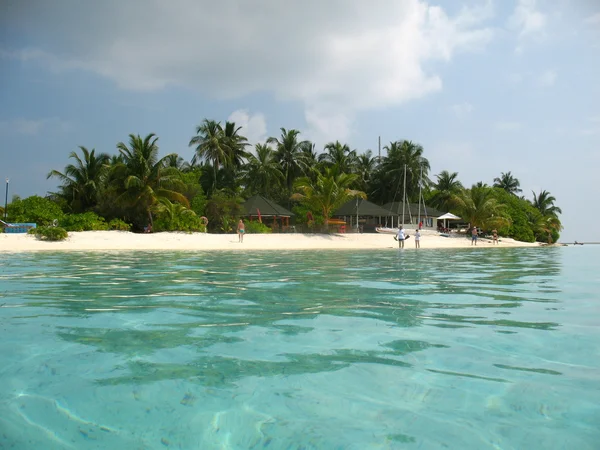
{"x":401,"y":236}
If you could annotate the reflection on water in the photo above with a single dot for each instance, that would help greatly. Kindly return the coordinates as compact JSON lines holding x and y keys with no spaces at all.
{"x":451,"y":348}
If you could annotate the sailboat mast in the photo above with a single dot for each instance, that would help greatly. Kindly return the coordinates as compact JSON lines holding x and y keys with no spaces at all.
{"x":420,"y":186}
{"x":404,"y":196}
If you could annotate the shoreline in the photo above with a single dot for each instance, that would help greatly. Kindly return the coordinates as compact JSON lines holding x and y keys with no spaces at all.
{"x":168,"y":241}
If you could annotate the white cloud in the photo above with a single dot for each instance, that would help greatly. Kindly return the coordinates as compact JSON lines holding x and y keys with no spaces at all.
{"x":507,"y":126}
{"x":462,"y":109}
{"x":593,"y":19}
{"x":33,"y":127}
{"x":337,"y":57}
{"x":254,"y":126}
{"x":527,"y":19}
{"x":548,"y":78}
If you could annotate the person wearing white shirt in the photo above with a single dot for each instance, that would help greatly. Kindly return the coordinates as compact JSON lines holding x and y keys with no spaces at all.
{"x":400,"y":237}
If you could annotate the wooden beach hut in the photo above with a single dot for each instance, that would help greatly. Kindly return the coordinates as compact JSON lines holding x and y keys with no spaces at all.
{"x":361,"y":214}
{"x":268,"y":212}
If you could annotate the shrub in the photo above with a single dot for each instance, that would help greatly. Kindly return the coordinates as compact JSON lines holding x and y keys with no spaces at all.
{"x":88,"y":221}
{"x":256,"y":228}
{"x":118,"y":224}
{"x":36,"y":209}
{"x":50,"y":233}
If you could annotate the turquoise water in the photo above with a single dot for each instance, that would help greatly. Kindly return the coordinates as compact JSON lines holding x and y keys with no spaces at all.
{"x":459,"y":349}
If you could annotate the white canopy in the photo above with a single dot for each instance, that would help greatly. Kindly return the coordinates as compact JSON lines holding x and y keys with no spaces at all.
{"x":448,"y":216}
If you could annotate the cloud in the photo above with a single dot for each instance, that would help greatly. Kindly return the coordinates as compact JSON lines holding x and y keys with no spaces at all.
{"x":593,"y":19}
{"x":254,"y":126}
{"x":336,"y":58}
{"x":462,"y":109}
{"x":548,"y":78}
{"x":508,"y":126}
{"x":33,"y":127}
{"x":526,"y":19}
{"x":528,"y":22}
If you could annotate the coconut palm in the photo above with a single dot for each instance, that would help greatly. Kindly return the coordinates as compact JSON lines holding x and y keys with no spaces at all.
{"x":339,"y":154}
{"x":289,"y":153}
{"x":544,"y":203}
{"x":509,"y":183}
{"x":211,"y":146}
{"x":236,"y":145}
{"x":328,"y":192}
{"x":365,"y":166}
{"x":81,"y":181}
{"x":147,"y":179}
{"x":480,"y":208}
{"x":176,"y":161}
{"x":445,"y":188}
{"x":388,"y":180}
{"x":262,"y":173}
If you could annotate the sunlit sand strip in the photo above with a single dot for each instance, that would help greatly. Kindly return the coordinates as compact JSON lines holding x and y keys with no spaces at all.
{"x":116,"y":241}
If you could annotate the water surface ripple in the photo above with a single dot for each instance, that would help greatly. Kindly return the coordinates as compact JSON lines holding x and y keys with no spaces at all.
{"x":465,"y":349}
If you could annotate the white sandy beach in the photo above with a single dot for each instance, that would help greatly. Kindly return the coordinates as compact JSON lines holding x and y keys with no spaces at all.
{"x":121,"y":240}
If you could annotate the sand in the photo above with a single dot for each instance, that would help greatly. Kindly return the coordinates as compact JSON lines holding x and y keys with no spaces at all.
{"x":121,"y":240}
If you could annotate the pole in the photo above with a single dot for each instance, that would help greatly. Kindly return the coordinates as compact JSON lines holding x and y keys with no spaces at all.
{"x":403,"y":195}
{"x":6,"y":201}
{"x":357,"y":229}
{"x":420,"y":185}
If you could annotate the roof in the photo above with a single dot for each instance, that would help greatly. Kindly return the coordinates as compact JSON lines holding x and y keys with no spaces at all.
{"x":449,"y":215}
{"x":267,"y":208}
{"x":365,"y":208}
{"x":412,"y":209}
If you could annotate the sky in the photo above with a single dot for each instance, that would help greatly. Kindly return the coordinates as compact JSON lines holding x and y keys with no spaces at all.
{"x":486,"y":87}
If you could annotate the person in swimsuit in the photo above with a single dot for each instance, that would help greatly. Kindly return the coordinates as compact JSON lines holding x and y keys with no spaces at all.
{"x":240,"y":230}
{"x":417,"y":238}
{"x":495,"y":236}
{"x":474,"y":236}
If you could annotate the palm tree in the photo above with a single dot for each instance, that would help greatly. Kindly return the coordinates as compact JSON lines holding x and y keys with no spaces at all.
{"x":235,"y":144}
{"x":211,"y":146}
{"x":172,"y":212}
{"x":289,"y":153}
{"x":544,"y":203}
{"x":389,"y":177}
{"x":147,"y":178}
{"x":365,"y":166}
{"x":509,"y":183}
{"x":339,"y":154}
{"x":480,"y":208}
{"x":81,"y":182}
{"x":176,"y":161}
{"x":328,"y":192}
{"x":446,"y":187}
{"x":262,"y":174}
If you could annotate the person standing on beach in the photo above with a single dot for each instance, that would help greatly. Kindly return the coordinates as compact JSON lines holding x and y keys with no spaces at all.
{"x":474,"y":236}
{"x":417,"y":239}
{"x":240,"y":231}
{"x":494,"y":236}
{"x":400,"y":237}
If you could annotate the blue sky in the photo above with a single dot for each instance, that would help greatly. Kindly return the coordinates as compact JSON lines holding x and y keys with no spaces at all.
{"x":485,"y":86}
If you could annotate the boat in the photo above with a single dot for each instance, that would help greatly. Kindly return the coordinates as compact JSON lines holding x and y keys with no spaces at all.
{"x":386,"y":230}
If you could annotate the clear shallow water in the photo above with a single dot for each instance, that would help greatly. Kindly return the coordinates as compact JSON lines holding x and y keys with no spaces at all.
{"x":465,"y":349}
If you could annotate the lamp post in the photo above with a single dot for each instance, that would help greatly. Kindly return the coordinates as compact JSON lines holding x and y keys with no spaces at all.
{"x":6,"y":200}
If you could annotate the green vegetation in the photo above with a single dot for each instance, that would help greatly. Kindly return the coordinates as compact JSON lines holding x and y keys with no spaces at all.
{"x":50,"y":233}
{"x":133,"y":188}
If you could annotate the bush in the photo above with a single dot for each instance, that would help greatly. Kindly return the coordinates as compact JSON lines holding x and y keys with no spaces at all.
{"x":50,"y":233}
{"x":88,"y":221}
{"x":256,"y":228}
{"x":35,"y":209}
{"x":118,"y":224}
